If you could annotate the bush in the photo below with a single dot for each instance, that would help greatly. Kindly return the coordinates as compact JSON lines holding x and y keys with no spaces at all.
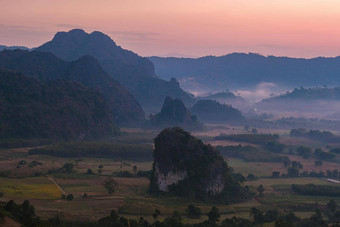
{"x":69,"y":197}
{"x":193,"y":211}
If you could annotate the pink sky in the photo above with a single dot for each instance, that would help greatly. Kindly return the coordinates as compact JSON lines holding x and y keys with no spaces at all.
{"x":297,"y":28}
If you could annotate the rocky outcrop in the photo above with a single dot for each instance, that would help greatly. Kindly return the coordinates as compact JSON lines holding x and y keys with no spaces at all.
{"x":174,"y":113}
{"x":186,"y":166}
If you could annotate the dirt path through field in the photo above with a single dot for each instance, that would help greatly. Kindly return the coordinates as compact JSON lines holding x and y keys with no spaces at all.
{"x":51,"y":179}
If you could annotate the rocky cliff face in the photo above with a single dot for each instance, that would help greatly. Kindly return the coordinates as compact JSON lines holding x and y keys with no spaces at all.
{"x":186,"y":166}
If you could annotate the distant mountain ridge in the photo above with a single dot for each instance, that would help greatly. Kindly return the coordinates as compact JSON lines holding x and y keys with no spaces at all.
{"x":132,"y":71}
{"x":239,"y":70}
{"x":3,"y":47}
{"x":59,"y":109}
{"x":316,"y":93}
{"x":46,"y":67}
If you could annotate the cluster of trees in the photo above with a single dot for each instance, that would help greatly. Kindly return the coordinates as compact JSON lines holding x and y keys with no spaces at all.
{"x":251,"y":154}
{"x":140,"y":152}
{"x":318,"y":153}
{"x":261,"y":139}
{"x":323,"y":136}
{"x":26,"y":216}
{"x":294,"y":171}
{"x":316,"y":190}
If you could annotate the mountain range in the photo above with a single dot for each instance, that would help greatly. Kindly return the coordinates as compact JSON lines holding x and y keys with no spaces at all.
{"x":132,"y":71}
{"x":245,"y":71}
{"x":46,"y":67}
{"x":2,"y":47}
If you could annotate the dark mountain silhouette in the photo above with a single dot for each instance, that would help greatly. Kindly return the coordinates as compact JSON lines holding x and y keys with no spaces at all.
{"x":86,"y":70}
{"x":174,"y":113}
{"x":239,"y":70}
{"x":214,"y":112}
{"x":2,"y":47}
{"x":132,"y":71}
{"x":59,"y":109}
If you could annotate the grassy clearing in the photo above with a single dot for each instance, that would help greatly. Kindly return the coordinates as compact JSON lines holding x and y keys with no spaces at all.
{"x":34,"y":188}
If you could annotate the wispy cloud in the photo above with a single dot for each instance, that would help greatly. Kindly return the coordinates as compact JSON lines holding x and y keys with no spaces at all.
{"x":23,"y":35}
{"x":261,"y":91}
{"x":134,"y":35}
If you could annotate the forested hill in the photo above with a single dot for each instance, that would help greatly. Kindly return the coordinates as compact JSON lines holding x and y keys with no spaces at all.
{"x":59,"y":109}
{"x":134,"y":72}
{"x":317,"y":93}
{"x":240,"y":70}
{"x":86,"y":70}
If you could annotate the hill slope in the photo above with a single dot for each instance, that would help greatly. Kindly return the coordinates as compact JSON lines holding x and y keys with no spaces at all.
{"x":59,"y":109}
{"x":86,"y":70}
{"x":132,"y":71}
{"x":214,"y":112}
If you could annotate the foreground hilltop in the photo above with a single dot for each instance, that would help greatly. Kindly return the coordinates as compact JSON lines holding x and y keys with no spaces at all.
{"x":47,"y":67}
{"x":184,"y":165}
{"x":134,"y":72}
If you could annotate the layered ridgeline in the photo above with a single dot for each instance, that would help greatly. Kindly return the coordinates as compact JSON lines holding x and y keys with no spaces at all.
{"x":309,"y":100}
{"x":239,"y":71}
{"x":2,"y":47}
{"x":132,"y":71}
{"x":59,"y":109}
{"x":174,"y":113}
{"x":85,"y":70}
{"x":210,"y":111}
{"x":184,"y":165}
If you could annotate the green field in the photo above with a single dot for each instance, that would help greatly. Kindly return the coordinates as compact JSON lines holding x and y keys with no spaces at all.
{"x":30,"y":188}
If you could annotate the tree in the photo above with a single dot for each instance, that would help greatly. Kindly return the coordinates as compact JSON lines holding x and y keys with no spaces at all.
{"x":275,"y":174}
{"x":156,"y":214}
{"x":331,"y":205}
{"x":193,"y":211}
{"x":134,"y":168}
{"x":304,"y":151}
{"x":260,"y":189}
{"x":318,"y":163}
{"x":90,"y":171}
{"x":110,"y":185}
{"x":257,"y":215}
{"x":214,"y":215}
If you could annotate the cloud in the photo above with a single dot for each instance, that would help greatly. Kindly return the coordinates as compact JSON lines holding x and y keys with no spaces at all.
{"x":24,"y":35}
{"x":72,"y":26}
{"x":134,"y":35}
{"x":261,"y":91}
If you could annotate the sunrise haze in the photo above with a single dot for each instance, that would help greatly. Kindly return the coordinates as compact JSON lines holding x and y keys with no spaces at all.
{"x":304,"y":28}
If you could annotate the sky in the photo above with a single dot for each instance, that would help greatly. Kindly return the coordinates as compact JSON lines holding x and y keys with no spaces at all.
{"x":187,"y":28}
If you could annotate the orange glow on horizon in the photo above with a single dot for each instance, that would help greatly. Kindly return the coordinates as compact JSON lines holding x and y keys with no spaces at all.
{"x":304,"y":28}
